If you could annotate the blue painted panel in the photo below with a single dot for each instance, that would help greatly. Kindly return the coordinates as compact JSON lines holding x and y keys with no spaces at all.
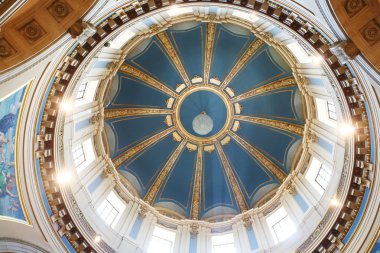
{"x":253,"y":244}
{"x":136,"y":228}
{"x":148,"y":164}
{"x":82,"y":124}
{"x":215,"y":188}
{"x":301,"y":202}
{"x":358,"y":217}
{"x":179,"y":186}
{"x":228,"y":47}
{"x":68,"y":245}
{"x":376,"y":247}
{"x":132,"y":130}
{"x":189,"y":45}
{"x":250,"y":174}
{"x":276,"y":105}
{"x":315,"y":81}
{"x":10,"y":205}
{"x":134,"y":93}
{"x":193,"y":244}
{"x":260,"y":70}
{"x":95,"y":183}
{"x":326,"y":145}
{"x":203,"y":101}
{"x":101,"y":64}
{"x":155,"y":62}
{"x":272,"y":142}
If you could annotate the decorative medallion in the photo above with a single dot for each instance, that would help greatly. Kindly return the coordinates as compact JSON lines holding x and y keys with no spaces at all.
{"x":354,"y":6}
{"x":59,"y":10}
{"x":32,"y":31}
{"x":371,"y":31}
{"x":6,"y":49}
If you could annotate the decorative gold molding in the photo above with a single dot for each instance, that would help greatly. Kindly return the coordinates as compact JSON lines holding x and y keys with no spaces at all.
{"x":165,"y":41}
{"x":210,"y":37}
{"x":195,"y":204}
{"x":252,"y":49}
{"x":132,"y":71}
{"x":193,"y":138}
{"x":271,"y":166}
{"x":289,"y":127}
{"x":153,"y":190}
{"x":240,"y":199}
{"x":282,"y":83}
{"x":126,"y":112}
{"x":120,"y":159}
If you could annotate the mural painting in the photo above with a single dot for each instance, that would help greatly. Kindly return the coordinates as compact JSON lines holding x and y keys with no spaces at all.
{"x":10,"y":206}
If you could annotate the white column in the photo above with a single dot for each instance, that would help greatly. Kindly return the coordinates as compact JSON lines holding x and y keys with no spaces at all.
{"x":241,"y":237}
{"x":129,"y":219}
{"x":146,"y":231}
{"x":263,"y":235}
{"x":312,"y":196}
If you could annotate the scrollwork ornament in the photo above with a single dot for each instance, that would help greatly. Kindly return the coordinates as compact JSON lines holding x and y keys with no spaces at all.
{"x":194,"y":228}
{"x":247,"y":220}
{"x":143,"y":211}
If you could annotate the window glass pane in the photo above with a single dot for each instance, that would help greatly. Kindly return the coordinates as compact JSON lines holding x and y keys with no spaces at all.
{"x":281,"y":225}
{"x":323,"y":177}
{"x":163,"y":240}
{"x":78,"y":155}
{"x":331,"y":110}
{"x":107,"y":212}
{"x":81,"y":90}
{"x":111,"y":208}
{"x":223,"y":243}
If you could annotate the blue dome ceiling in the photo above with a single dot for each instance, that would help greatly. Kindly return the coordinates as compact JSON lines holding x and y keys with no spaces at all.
{"x":247,"y":92}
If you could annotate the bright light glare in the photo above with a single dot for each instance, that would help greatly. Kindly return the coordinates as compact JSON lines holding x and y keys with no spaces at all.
{"x":173,"y":10}
{"x":63,"y":177}
{"x":253,"y":17}
{"x":316,"y":59}
{"x":347,"y":129}
{"x":334,"y":202}
{"x":66,"y":106}
{"x":97,"y":238}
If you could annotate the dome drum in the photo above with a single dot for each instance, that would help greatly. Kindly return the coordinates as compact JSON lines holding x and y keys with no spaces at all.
{"x":230,"y":132}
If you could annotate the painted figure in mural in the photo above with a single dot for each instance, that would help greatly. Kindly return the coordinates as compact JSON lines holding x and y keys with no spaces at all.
{"x":6,"y":129}
{"x":7,"y":183}
{"x":10,"y":205}
{"x":3,"y":141}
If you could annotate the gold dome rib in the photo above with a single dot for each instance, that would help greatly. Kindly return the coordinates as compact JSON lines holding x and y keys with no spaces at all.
{"x":196,"y":199}
{"x":210,"y":37}
{"x":285,"y":126}
{"x":271,"y":166}
{"x":165,"y":41}
{"x":155,"y":187}
{"x":282,"y":83}
{"x":126,"y":112}
{"x":136,"y":73}
{"x":240,"y":199}
{"x":120,"y":159}
{"x":251,"y":50}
